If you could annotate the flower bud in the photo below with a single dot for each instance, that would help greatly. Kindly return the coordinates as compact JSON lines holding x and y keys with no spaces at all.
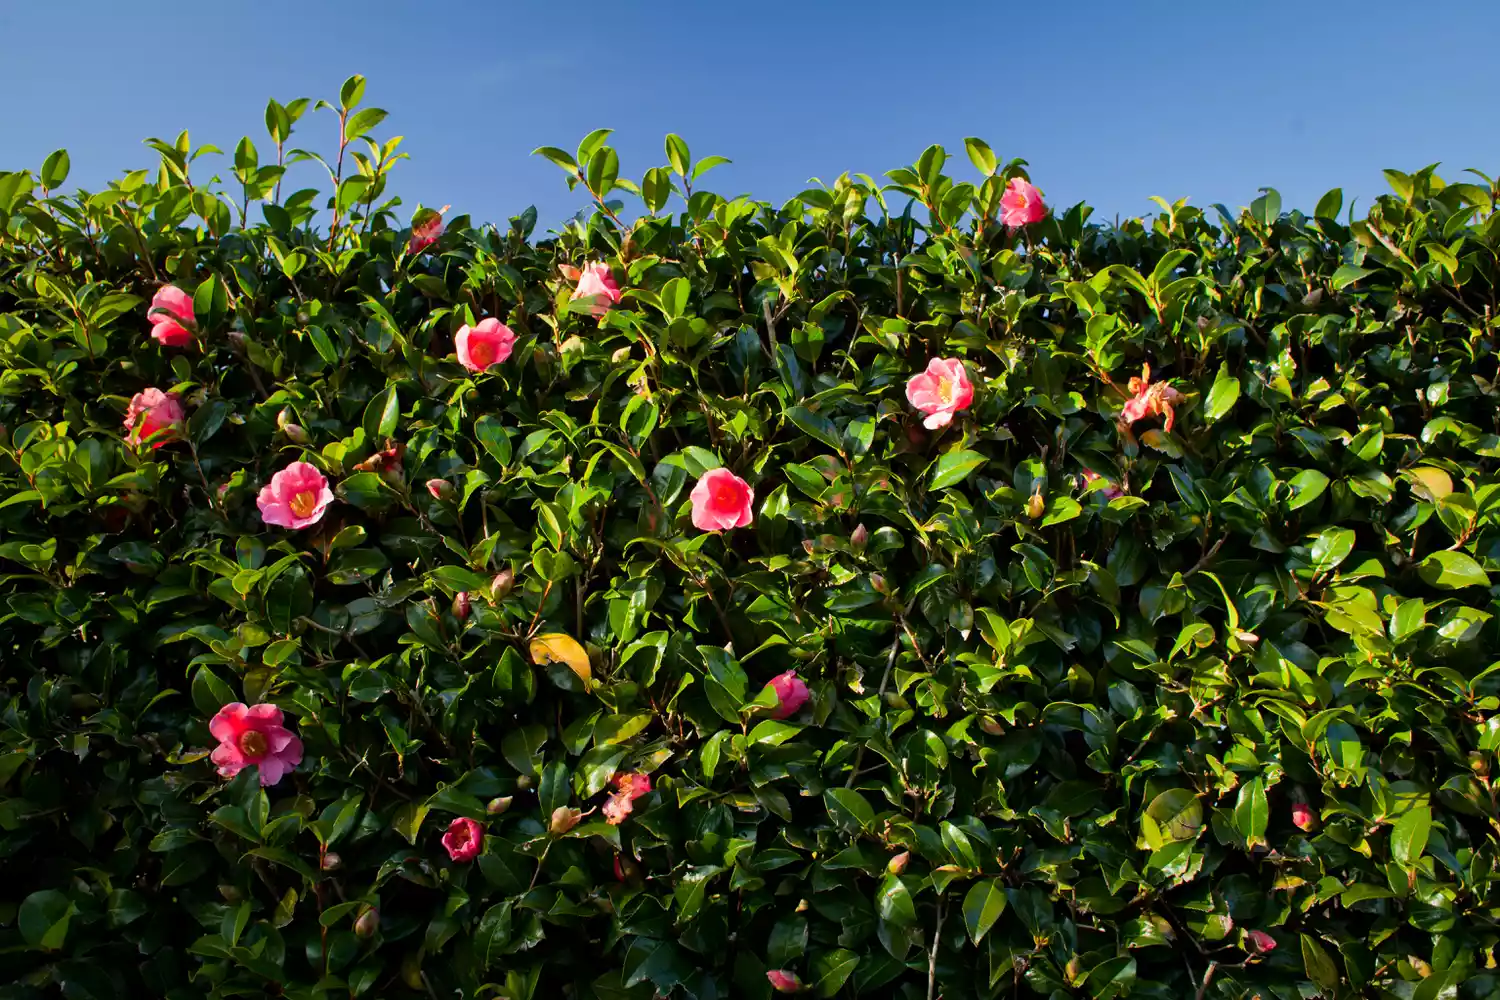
{"x":440,"y":489}
{"x":564,"y":818}
{"x":498,"y":806}
{"x":295,"y":434}
{"x":1303,"y":817}
{"x":878,"y":582}
{"x":524,"y":782}
{"x":859,"y":538}
{"x":461,"y":605}
{"x":367,"y":924}
{"x":1479,"y":763}
{"x":1259,"y":942}
{"x":284,"y":417}
{"x":991,"y":726}
{"x":331,"y":862}
{"x":1036,"y":506}
{"x":783,"y":981}
{"x":502,"y":583}
{"x":897,"y":865}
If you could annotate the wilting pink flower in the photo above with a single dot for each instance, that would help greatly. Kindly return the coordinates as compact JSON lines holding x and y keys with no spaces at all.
{"x":426,"y":227}
{"x":171,"y":316}
{"x":387,"y":462}
{"x":598,"y":283}
{"x":153,"y":416}
{"x":1303,"y":817}
{"x":721,"y":501}
{"x":940,"y":391}
{"x":486,"y":343}
{"x":254,"y":735}
{"x":464,"y":839}
{"x":1021,"y":204}
{"x":1149,"y":399}
{"x":791,"y":694}
{"x":629,"y":787}
{"x":1110,"y":491}
{"x":295,"y":498}
{"x":1259,"y":942}
{"x":783,"y":981}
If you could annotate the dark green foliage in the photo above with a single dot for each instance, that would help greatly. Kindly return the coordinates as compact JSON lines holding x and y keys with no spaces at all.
{"x":1084,"y":720}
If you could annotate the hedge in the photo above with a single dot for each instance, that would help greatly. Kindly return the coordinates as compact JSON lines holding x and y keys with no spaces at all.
{"x":910,"y":590}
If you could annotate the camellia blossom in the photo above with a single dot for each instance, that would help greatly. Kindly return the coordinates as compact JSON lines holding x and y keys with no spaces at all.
{"x":1303,"y":817}
{"x":296,"y":497}
{"x":464,"y":839}
{"x":628,"y":788}
{"x":791,"y":694}
{"x":486,"y":343}
{"x":1260,"y":942}
{"x":254,"y":735}
{"x":1149,"y":399}
{"x":721,"y":501}
{"x":783,"y":981}
{"x":153,"y":417}
{"x":1110,"y":490}
{"x":426,"y":227}
{"x":172,"y":317}
{"x":598,"y":283}
{"x":1021,"y":204}
{"x":941,"y":391}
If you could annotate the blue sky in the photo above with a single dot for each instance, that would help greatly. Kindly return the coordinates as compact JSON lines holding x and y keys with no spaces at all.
{"x":1111,"y":102}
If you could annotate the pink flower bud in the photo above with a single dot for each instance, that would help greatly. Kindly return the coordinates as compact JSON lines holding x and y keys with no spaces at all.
{"x":295,"y":434}
{"x":897,"y":865}
{"x":1303,"y":817}
{"x":461,"y":605}
{"x":367,"y":924}
{"x":1036,"y":506}
{"x":564,"y":819}
{"x":497,"y":806}
{"x":440,"y":489}
{"x":783,"y":981}
{"x":331,"y":862}
{"x":501,"y":585}
{"x":991,"y":726}
{"x":860,"y":538}
{"x":1259,"y":942}
{"x":878,"y":582}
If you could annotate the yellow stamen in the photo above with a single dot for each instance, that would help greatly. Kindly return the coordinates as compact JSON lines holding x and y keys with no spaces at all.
{"x":253,"y":743}
{"x":304,"y":503}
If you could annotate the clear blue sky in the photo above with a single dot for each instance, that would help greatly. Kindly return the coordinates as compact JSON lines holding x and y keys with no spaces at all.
{"x":1111,"y":102}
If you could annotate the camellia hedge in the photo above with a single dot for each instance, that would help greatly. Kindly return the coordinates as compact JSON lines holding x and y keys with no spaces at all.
{"x":906,"y":591}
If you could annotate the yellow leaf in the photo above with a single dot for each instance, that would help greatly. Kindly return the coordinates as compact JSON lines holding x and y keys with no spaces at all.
{"x":1429,"y":483}
{"x":560,"y":648}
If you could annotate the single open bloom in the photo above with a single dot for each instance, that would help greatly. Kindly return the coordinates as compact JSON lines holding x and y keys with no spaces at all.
{"x":464,"y":839}
{"x":296,"y":497}
{"x":791,"y":694}
{"x":1149,"y":399}
{"x":1021,"y":204}
{"x":721,"y":501}
{"x":628,"y":788}
{"x":171,"y":316}
{"x":154,"y":417}
{"x":254,"y":735}
{"x":426,"y":227}
{"x":598,"y":283}
{"x":940,"y":391}
{"x":783,"y":981}
{"x":486,"y":343}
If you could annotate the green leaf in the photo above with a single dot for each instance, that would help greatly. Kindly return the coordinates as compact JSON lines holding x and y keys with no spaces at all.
{"x":894,"y":904}
{"x":1319,"y":966}
{"x":1331,"y":548}
{"x":1252,"y":812}
{"x":1347,"y":275}
{"x":1409,"y":836}
{"x":831,"y":969}
{"x":1452,"y":571}
{"x":1222,"y":397}
{"x":954,"y":467}
{"x":44,"y":917}
{"x":980,"y":155}
{"x":816,"y":425}
{"x":849,"y":809}
{"x":55,"y":169}
{"x":983,"y":905}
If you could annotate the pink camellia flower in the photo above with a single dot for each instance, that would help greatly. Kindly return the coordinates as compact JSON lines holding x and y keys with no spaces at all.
{"x":254,"y":735}
{"x":296,"y":497}
{"x":1021,"y":204}
{"x":1149,"y":399}
{"x":486,"y":343}
{"x":791,"y":694}
{"x":464,"y":839}
{"x":1259,"y":942}
{"x":783,"y":981}
{"x":940,"y":391}
{"x":1110,"y":491}
{"x":426,"y":227}
{"x":1303,"y":817}
{"x":721,"y":501}
{"x":597,"y":282}
{"x":153,"y":417}
{"x":629,"y":787}
{"x":171,"y":316}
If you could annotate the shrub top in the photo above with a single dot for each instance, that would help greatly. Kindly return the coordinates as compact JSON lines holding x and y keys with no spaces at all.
{"x":909,"y":590}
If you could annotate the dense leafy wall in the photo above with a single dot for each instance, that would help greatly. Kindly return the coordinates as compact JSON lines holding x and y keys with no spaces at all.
{"x":1118,"y":683}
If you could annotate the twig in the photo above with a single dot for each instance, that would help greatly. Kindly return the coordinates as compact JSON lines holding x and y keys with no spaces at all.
{"x":1207,"y":557}
{"x":937,"y":936}
{"x":1208,"y":974}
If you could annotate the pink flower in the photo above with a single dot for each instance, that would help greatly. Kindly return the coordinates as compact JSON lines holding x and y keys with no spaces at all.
{"x":486,"y":343}
{"x":1259,"y":942}
{"x":153,"y":417}
{"x":464,"y":839}
{"x":1303,"y":817}
{"x":629,"y":787}
{"x":295,"y":498}
{"x":426,"y":227}
{"x":254,"y":735}
{"x":1110,"y":490}
{"x":1021,"y":204}
{"x":940,"y":391}
{"x":783,"y":981}
{"x":1149,"y":399}
{"x":721,"y":501}
{"x":791,"y":693}
{"x":598,"y":283}
{"x":440,"y":489}
{"x":171,"y":316}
